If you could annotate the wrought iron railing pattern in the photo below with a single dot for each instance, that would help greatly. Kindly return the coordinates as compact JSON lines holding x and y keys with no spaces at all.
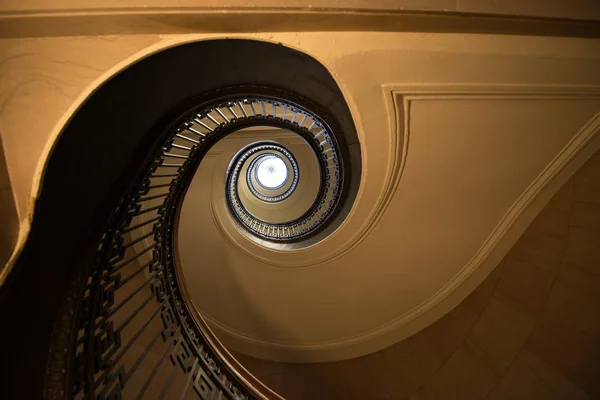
{"x":320,"y":137}
{"x":135,"y":321}
{"x":138,"y":334}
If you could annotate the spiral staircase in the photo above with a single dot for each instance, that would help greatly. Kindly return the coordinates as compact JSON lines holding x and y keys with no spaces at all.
{"x":401,"y":204}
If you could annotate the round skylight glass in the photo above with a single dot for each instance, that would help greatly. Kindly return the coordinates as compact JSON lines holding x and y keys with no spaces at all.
{"x":271,"y":172}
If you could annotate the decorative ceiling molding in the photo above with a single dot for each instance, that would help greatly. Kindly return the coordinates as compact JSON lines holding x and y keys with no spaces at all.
{"x":394,"y":95}
{"x":399,"y":99}
{"x":60,"y":19}
{"x":369,"y":217}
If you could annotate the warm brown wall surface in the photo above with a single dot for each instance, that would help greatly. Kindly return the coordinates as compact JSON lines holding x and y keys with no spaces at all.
{"x":530,"y":315}
{"x":572,"y":9}
{"x":529,"y":331}
{"x":49,"y":77}
{"x":9,"y":222}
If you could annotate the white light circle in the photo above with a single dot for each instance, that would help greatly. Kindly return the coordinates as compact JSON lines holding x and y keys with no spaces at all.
{"x":271,"y":172}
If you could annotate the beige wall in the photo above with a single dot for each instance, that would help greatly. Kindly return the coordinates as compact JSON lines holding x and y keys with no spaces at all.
{"x":531,"y":325}
{"x":384,"y":75}
{"x":96,"y":9}
{"x":44,"y":77}
{"x":578,"y":9}
{"x":9,"y":222}
{"x":497,"y":79}
{"x":529,"y":331}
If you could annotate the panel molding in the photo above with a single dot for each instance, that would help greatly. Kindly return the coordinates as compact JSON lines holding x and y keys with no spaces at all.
{"x":48,"y":21}
{"x":399,"y":99}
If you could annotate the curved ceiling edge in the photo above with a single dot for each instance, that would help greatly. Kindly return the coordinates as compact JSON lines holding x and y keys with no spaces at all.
{"x":398,"y":151}
{"x":584,"y":144}
{"x":164,"y":42}
{"x":88,"y":91}
{"x":399,"y":146}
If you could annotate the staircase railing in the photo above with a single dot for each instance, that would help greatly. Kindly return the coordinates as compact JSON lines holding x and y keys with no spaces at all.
{"x":95,"y":305}
{"x":137,"y":333}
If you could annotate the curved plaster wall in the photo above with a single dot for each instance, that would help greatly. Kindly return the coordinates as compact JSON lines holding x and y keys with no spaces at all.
{"x":465,"y":138}
{"x":528,"y":331}
{"x":448,"y":187}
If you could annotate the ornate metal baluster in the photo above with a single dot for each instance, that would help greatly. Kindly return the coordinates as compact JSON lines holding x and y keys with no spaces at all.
{"x":134,"y":316}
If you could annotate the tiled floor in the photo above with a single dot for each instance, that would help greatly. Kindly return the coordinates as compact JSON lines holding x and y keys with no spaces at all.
{"x":529,"y":331}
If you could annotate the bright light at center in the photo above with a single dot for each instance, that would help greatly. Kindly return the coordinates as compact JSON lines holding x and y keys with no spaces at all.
{"x":271,"y":172}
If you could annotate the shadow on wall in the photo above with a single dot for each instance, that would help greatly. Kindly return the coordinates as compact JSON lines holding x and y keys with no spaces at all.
{"x":529,"y":331}
{"x":9,"y":222}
